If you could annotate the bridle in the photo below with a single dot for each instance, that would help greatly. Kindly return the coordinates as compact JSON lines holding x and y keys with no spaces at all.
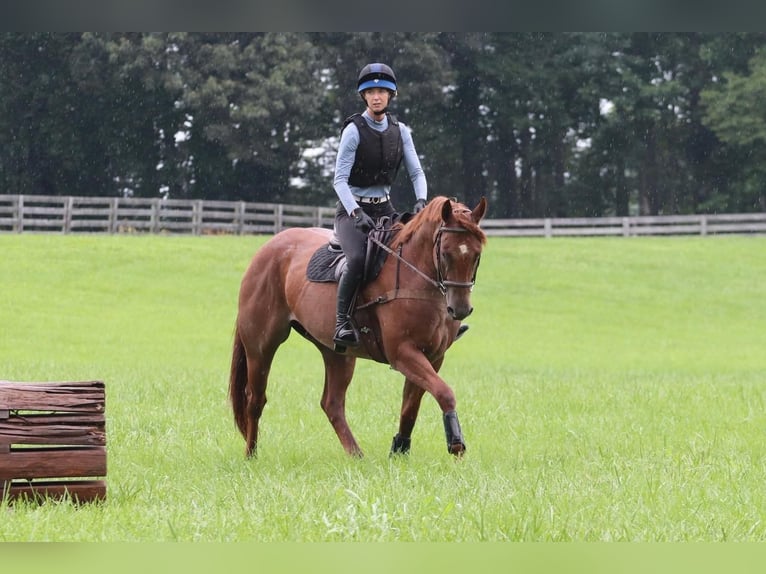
{"x":440,"y":282}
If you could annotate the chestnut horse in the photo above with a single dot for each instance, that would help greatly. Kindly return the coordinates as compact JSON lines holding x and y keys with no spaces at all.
{"x":407,"y":316}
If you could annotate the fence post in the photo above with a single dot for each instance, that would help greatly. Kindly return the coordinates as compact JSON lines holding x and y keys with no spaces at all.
{"x":197,"y":217}
{"x":20,"y":215}
{"x":155,"y":217}
{"x":113,"y":204}
{"x":703,"y":225}
{"x":278,"y":215}
{"x":240,"y":218}
{"x":548,"y":227}
{"x":626,"y":227}
{"x":66,"y":224}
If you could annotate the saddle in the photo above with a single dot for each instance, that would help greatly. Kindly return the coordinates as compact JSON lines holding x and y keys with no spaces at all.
{"x":328,"y":261}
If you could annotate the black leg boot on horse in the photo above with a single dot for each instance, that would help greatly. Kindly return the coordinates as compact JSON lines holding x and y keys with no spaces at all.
{"x":345,"y":333}
{"x":455,"y":441}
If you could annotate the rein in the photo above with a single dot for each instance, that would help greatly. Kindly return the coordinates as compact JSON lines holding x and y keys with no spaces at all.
{"x":399,"y":257}
{"x":439,"y":283}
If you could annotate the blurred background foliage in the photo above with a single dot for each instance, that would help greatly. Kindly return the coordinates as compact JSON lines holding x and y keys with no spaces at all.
{"x":543,"y":124}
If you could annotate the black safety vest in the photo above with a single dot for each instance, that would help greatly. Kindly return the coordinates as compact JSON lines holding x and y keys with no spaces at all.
{"x":379,"y":154}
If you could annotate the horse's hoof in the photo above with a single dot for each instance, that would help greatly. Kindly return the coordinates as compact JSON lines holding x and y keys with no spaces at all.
{"x":457,"y":449}
{"x":400,"y":445}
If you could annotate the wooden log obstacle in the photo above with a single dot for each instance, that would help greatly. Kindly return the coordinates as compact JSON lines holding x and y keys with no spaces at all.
{"x":53,"y":440}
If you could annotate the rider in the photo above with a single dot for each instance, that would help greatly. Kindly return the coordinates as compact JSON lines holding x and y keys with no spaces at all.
{"x":372,"y":147}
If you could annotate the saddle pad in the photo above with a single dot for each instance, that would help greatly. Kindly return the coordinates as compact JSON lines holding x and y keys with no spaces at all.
{"x":322,"y":265}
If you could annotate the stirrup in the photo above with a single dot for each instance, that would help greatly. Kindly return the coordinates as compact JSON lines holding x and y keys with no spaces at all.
{"x":345,"y":334}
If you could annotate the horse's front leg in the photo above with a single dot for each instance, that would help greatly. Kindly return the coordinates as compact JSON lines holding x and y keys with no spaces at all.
{"x":411,"y":398}
{"x":419,"y":372}
{"x":455,"y":442}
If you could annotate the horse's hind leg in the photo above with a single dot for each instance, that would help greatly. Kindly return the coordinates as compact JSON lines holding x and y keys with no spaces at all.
{"x":255,"y":393}
{"x":411,"y":398}
{"x":259,"y":359}
{"x":339,"y":370}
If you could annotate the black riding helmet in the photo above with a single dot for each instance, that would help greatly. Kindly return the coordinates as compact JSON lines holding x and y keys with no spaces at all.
{"x":376,"y":75}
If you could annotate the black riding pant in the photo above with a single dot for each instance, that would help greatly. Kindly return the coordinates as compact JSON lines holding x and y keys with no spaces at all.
{"x":353,"y":241}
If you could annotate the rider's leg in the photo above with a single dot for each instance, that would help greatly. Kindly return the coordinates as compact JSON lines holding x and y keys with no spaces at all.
{"x":354,"y":244}
{"x":345,"y":334}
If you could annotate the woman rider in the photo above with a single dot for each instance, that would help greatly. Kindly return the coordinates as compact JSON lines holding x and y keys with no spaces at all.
{"x":372,"y":147}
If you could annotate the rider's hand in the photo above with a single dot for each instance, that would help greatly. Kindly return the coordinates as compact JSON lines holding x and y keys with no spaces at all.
{"x":419,"y":205}
{"x":363,"y":222}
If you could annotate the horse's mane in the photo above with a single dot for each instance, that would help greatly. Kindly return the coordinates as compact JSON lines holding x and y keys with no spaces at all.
{"x":430,"y":218}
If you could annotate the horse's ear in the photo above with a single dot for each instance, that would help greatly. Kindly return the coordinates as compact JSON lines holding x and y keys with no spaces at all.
{"x":446,"y":210}
{"x":478,"y":212}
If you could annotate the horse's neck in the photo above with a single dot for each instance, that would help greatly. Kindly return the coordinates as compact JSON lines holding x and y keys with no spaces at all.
{"x":418,"y":249}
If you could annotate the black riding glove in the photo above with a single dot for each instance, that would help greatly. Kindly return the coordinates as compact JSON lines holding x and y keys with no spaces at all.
{"x":363,"y":222}
{"x":419,"y":205}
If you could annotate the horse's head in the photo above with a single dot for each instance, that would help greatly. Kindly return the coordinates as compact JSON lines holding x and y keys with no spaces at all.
{"x":452,"y":232}
{"x":458,"y":242}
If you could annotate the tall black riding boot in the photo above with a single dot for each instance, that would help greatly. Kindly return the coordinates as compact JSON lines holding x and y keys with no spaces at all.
{"x":345,"y":334}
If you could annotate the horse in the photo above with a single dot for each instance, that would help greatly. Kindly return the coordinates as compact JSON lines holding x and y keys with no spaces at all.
{"x":407,"y":316}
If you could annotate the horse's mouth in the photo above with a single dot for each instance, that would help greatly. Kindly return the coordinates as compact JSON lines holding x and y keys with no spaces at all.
{"x":459,"y":314}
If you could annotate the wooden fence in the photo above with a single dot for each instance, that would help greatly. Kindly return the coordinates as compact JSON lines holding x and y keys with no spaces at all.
{"x":59,"y":214}
{"x":66,"y":214}
{"x":53,"y":440}
{"x":744,"y":223}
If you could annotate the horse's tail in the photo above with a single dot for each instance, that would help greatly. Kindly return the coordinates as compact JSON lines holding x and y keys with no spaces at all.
{"x":237,"y":383}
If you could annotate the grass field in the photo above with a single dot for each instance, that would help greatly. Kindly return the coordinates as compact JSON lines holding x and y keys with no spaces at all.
{"x":609,"y":389}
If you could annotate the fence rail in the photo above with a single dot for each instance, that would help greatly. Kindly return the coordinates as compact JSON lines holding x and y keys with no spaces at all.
{"x":67,"y":214}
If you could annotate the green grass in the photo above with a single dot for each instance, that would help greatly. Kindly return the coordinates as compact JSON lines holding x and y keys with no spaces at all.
{"x":609,"y":389}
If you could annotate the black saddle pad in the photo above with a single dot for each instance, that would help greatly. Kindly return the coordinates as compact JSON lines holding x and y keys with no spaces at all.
{"x":324,"y":263}
{"x":327,"y":261}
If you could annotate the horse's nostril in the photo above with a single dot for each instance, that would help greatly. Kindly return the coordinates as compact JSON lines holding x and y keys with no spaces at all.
{"x":451,"y":312}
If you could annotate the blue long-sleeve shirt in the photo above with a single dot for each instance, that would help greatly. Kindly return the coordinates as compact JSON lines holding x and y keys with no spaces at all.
{"x":349,"y":141}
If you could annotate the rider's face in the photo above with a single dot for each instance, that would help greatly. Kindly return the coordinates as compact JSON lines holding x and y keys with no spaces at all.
{"x":377,"y":99}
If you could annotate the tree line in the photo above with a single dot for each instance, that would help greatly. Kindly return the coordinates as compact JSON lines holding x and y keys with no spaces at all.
{"x":542,"y":124}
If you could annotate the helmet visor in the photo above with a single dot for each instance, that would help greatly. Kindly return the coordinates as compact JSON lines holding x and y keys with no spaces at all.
{"x":377,"y":83}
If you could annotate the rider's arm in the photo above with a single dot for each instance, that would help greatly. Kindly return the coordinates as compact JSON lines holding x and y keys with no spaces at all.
{"x":349,"y":141}
{"x":412,"y":163}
